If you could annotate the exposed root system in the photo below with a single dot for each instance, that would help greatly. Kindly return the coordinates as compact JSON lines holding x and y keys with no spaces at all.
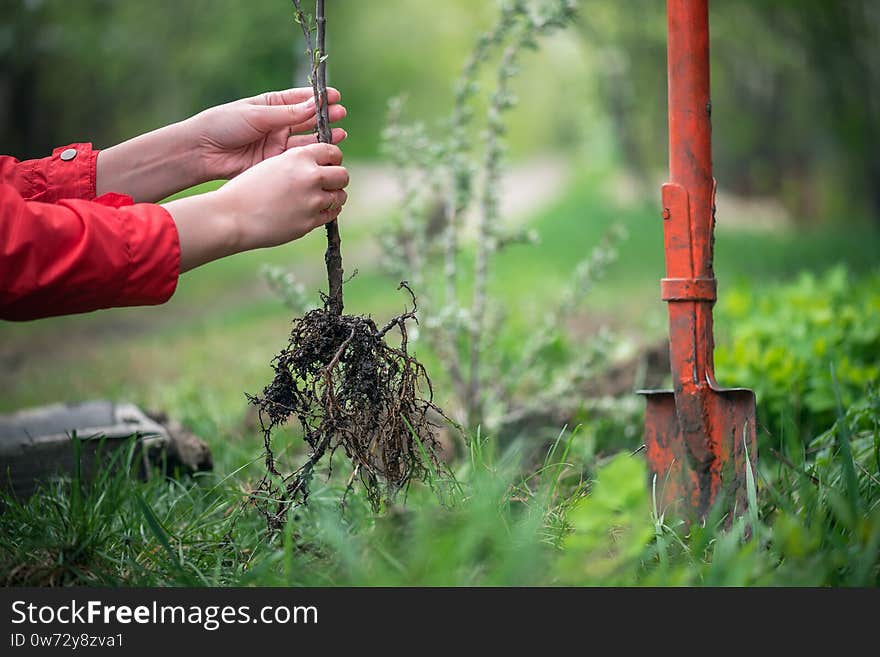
{"x":348,"y":388}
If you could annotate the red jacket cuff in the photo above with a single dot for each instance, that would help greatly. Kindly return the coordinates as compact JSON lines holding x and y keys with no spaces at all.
{"x":68,"y":173}
{"x":72,"y":171}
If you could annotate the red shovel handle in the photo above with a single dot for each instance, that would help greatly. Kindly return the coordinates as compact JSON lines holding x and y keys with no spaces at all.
{"x":688,"y":198}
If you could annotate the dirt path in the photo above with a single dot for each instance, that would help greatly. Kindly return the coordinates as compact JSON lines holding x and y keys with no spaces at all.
{"x":373,"y":191}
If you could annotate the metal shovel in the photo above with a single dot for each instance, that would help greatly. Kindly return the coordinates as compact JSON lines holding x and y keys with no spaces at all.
{"x":698,"y":434}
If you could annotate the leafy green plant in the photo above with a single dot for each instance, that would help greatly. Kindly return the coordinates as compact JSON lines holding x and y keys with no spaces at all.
{"x":819,"y":524}
{"x":114,"y":530}
{"x":610,"y":528}
{"x":783,"y":339}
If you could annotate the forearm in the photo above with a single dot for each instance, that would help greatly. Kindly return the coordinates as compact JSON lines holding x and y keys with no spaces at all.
{"x":272,"y":203}
{"x":207,"y":228}
{"x":152,"y":166}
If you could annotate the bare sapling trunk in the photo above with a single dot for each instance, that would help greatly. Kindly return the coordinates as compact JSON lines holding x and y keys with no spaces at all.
{"x":318,"y":78}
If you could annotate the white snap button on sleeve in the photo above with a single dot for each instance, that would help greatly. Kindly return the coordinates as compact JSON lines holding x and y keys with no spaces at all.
{"x":68,"y":154}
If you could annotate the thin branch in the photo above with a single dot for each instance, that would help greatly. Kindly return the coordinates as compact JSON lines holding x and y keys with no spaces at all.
{"x":324,"y":133}
{"x":460,"y":177}
{"x":486,"y":226}
{"x":318,"y":80}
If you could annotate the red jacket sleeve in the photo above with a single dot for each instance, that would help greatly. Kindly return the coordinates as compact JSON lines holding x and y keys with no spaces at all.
{"x":68,"y":173}
{"x":76,"y":256}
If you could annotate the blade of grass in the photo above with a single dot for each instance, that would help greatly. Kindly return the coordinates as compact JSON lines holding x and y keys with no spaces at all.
{"x":76,"y":480}
{"x":751,"y":488}
{"x":160,"y":534}
{"x":843,"y":437}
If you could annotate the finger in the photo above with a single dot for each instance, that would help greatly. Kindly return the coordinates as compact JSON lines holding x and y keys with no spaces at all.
{"x":266,"y":118}
{"x":326,"y":216}
{"x":333,"y":200}
{"x":333,"y":178}
{"x":292,"y":96}
{"x":336,"y":113}
{"x":296,"y":118}
{"x":332,"y":206}
{"x":296,"y":141}
{"x":323,"y":154}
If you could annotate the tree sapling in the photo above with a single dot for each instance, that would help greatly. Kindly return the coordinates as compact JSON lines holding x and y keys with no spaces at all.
{"x":347,"y":387}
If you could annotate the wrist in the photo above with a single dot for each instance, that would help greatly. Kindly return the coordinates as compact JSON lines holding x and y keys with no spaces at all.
{"x":180,"y":145}
{"x":227,"y":221}
{"x":192,"y":134}
{"x":207,"y":155}
{"x":208,"y":228}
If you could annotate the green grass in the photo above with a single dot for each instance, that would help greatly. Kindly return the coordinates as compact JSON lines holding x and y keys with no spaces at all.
{"x":492,"y":525}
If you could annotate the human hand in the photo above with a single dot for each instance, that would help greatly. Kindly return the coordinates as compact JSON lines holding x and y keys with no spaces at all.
{"x":273,"y":202}
{"x":284,"y":197}
{"x":218,"y":143}
{"x":231,"y":138}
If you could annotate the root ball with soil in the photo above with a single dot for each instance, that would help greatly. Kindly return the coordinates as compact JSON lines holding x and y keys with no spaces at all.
{"x":349,"y":389}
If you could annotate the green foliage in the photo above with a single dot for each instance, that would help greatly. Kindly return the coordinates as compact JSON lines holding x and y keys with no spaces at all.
{"x":807,"y":60}
{"x":112,"y":529}
{"x":285,"y":285}
{"x":105,"y":71}
{"x":784,"y":339}
{"x":819,"y":524}
{"x":490,"y":526}
{"x":610,"y":528}
{"x":482,"y":534}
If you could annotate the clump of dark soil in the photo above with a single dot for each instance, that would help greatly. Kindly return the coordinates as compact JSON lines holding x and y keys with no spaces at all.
{"x":349,"y":389}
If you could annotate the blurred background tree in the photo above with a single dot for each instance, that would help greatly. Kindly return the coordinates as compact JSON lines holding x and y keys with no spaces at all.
{"x":795,"y":82}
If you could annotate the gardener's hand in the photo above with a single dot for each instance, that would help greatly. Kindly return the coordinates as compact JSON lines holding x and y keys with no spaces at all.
{"x":233,"y":137}
{"x":218,"y":143}
{"x":273,"y":202}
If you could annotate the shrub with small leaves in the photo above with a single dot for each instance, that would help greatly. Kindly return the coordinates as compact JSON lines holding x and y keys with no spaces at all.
{"x":451,"y":176}
{"x":784,"y":340}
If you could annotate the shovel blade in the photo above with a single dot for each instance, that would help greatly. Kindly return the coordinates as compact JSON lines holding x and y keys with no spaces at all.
{"x":691,"y":471}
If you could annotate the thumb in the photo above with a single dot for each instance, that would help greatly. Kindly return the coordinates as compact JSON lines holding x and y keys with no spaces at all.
{"x":272,"y":117}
